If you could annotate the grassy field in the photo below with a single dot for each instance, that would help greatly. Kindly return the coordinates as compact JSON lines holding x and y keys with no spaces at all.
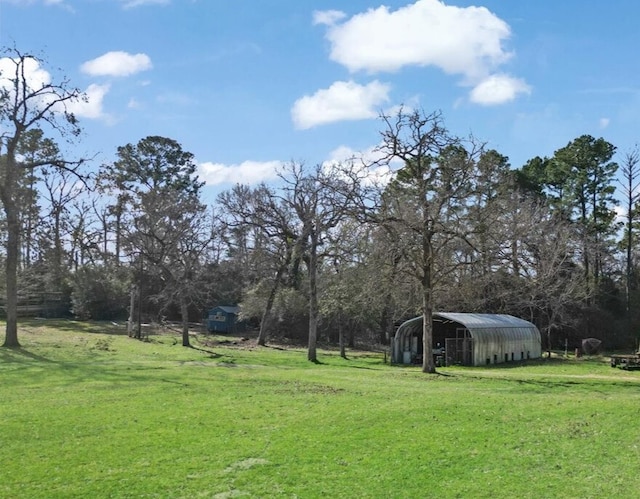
{"x":86,"y":411}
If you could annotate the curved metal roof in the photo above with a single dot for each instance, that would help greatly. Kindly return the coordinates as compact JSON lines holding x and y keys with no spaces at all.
{"x":484,"y":321}
{"x":478,"y":323}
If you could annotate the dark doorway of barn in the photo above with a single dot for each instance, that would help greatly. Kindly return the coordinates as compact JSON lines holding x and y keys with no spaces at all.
{"x":458,"y":350}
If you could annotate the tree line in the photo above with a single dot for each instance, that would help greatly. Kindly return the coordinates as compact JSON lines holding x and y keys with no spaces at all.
{"x":330,"y":253}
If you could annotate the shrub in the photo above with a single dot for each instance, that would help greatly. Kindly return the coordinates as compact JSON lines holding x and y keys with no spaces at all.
{"x":100,"y":292}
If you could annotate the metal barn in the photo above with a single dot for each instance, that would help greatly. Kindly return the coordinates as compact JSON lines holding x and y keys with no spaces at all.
{"x":469,"y":339}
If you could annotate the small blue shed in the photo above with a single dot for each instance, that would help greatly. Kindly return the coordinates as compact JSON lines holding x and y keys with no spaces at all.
{"x":223,"y":319}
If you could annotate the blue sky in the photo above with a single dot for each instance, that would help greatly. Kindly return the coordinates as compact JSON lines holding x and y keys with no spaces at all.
{"x":246,"y":85}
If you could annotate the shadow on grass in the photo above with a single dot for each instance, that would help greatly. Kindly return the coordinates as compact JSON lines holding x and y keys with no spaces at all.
{"x":361,"y":367}
{"x":551,"y":382}
{"x":546,"y":361}
{"x":20,"y":355}
{"x":63,"y":372}
{"x":548,"y":384}
{"x":74,"y":326}
{"x":273,"y":347}
{"x":211,"y":353}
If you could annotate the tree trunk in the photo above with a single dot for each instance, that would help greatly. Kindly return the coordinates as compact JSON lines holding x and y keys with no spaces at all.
{"x":385,"y":319}
{"x":264,"y":323}
{"x":550,"y":325}
{"x":428,"y":365}
{"x":313,"y":299}
{"x":515,"y":263}
{"x":11,"y":267}
{"x":57,"y":244}
{"x":138,"y":333}
{"x":29,"y":229}
{"x":184,"y":312}
{"x":343,"y":352}
{"x":387,"y":325}
{"x":105,"y":239}
{"x":132,"y":306}
{"x":117,"y":229}
{"x":8,"y":192}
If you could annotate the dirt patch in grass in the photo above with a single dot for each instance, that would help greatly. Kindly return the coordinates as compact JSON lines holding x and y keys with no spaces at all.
{"x":296,"y":387}
{"x":246,"y":464}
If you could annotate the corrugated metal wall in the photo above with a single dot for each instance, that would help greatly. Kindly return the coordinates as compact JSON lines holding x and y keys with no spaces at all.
{"x":497,"y":345}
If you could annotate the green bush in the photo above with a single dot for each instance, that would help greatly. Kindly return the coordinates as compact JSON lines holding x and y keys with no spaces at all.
{"x":100,"y":293}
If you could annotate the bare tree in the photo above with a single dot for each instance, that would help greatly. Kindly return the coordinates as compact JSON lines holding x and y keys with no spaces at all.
{"x":86,"y":234}
{"x":551,"y":284}
{"x":275,"y":237}
{"x":353,"y":286}
{"x":60,"y":190}
{"x":101,"y":215}
{"x":631,"y":191}
{"x":427,"y":200}
{"x":321,"y":198}
{"x":27,"y":103}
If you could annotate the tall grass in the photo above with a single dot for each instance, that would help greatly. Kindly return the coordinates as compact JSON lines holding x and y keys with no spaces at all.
{"x":86,"y":411}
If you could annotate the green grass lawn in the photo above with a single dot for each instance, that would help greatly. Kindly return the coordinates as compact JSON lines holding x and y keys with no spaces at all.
{"x":87,"y":412}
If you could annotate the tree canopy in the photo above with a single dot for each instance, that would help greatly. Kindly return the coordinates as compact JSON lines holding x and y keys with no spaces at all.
{"x":327,"y":253}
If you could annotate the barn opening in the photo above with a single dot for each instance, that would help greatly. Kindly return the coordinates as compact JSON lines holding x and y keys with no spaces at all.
{"x":468,"y":339}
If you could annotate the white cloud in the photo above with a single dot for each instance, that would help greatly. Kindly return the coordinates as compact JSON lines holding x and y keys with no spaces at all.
{"x":247,"y":172}
{"x":370,"y":162}
{"x":464,"y":41}
{"x":92,"y":106}
{"x":604,"y":122}
{"x":34,"y":76}
{"x":328,"y":17}
{"x":117,"y":63}
{"x":343,"y":100}
{"x":346,"y":154}
{"x":459,"y":40}
{"x":498,"y":89}
{"x":621,"y":214}
{"x":88,"y":106}
{"x":32,"y":80}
